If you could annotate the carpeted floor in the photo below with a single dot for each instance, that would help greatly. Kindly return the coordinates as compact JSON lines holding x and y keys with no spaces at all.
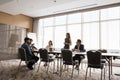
{"x":9,"y":71}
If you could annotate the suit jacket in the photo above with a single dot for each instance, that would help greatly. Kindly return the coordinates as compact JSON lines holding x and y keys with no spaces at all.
{"x":81,"y":48}
{"x":29,"y":54}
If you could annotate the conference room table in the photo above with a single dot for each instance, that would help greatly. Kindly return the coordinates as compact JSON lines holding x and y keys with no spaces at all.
{"x":109,"y":60}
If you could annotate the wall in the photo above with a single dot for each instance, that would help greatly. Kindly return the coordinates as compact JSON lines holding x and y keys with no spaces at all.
{"x":17,"y":20}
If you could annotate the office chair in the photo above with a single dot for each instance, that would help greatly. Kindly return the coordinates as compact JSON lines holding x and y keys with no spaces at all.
{"x":22,"y":56}
{"x":44,"y":57}
{"x":94,"y":61}
{"x":104,"y":51}
{"x":68,"y":60}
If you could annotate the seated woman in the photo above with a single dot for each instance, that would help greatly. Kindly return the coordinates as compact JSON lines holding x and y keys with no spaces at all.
{"x":78,"y":47}
{"x":49,"y":47}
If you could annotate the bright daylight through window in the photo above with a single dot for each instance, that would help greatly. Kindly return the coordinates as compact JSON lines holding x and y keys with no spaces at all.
{"x":98,"y":29}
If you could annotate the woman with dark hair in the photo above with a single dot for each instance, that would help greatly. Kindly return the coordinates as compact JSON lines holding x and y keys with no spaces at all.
{"x":49,"y":47}
{"x":67,"y":42}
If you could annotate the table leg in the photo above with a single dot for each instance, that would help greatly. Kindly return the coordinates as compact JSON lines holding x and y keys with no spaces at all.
{"x":109,"y":66}
{"x":109,"y":69}
{"x":57,"y":64}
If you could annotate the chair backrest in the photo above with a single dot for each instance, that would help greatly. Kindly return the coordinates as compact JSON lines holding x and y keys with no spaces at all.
{"x":67,"y":56}
{"x":102,"y":50}
{"x":94,"y":58}
{"x":43,"y":54}
{"x":22,"y":54}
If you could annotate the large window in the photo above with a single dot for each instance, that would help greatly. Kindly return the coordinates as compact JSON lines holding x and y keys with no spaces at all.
{"x":48,"y":22}
{"x":75,"y":31}
{"x":91,"y":35}
{"x":74,"y":18}
{"x":110,"y":13}
{"x":60,"y":32}
{"x":60,"y":20}
{"x":48,"y":35}
{"x":98,"y":29}
{"x":110,"y":35}
{"x":91,"y":16}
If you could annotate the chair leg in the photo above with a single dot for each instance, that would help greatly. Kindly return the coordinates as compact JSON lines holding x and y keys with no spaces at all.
{"x":78,"y":70}
{"x":19,"y":65}
{"x":60,"y":64}
{"x":86,"y":73}
{"x":39,"y":66}
{"x":53,"y":66}
{"x":90,"y":72}
{"x":72,"y":71}
{"x":104,"y":73}
{"x":67,"y":68}
{"x":48,"y":67}
{"x":81,"y":65}
{"x":61,"y":69}
{"x":34,"y":65}
{"x":101,"y":73}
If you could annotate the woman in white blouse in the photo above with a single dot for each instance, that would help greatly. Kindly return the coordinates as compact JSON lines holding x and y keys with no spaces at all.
{"x":49,"y":47}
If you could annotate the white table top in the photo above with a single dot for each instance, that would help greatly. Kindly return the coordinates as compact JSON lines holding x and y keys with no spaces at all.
{"x":84,"y":53}
{"x":103,"y":54}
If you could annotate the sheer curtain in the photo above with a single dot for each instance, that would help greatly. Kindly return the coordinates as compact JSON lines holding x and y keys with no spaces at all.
{"x":11,"y":38}
{"x":39,"y":32}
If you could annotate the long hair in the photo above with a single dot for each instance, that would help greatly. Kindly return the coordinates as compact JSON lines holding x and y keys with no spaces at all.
{"x":50,"y":42}
{"x":68,"y":34}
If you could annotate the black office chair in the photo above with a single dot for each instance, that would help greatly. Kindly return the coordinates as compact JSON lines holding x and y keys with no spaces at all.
{"x":68,"y":60}
{"x":104,"y":58}
{"x":104,"y":51}
{"x":22,"y":56}
{"x":44,"y":57}
{"x":94,"y":61}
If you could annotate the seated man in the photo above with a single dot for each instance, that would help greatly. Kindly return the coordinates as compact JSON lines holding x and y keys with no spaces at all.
{"x":29,"y":54}
{"x":33,"y":48}
{"x":78,"y":47}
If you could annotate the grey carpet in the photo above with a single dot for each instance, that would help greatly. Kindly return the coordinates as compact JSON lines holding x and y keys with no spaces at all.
{"x":8,"y":71}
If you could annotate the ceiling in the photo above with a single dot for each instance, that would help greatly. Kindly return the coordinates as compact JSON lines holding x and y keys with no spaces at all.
{"x":37,"y":8}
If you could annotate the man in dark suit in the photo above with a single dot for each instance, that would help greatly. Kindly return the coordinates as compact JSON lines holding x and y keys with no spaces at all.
{"x":80,"y":48}
{"x":29,"y":55}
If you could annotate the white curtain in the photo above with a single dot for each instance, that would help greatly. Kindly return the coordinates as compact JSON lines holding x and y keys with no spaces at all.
{"x":38,"y":29}
{"x":11,"y":38}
